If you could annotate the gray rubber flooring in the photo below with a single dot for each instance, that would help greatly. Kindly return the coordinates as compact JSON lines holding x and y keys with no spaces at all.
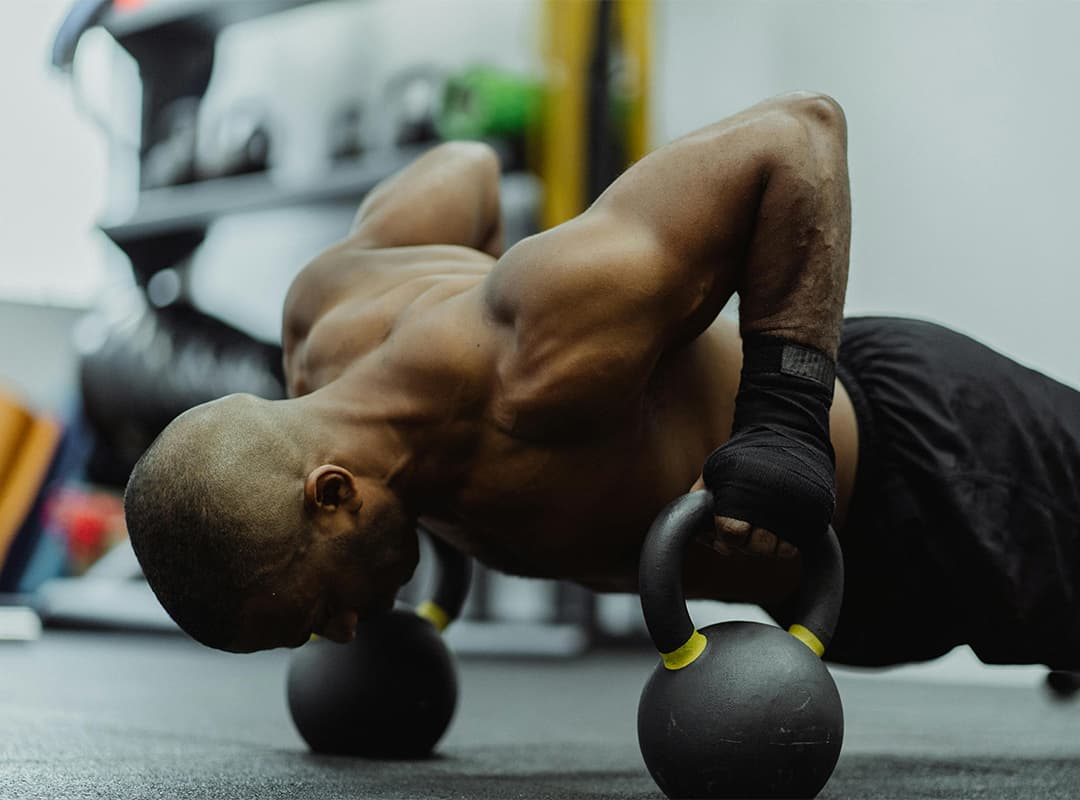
{"x":121,"y":716}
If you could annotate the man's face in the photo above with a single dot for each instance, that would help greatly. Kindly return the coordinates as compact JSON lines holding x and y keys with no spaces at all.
{"x":326,"y":592}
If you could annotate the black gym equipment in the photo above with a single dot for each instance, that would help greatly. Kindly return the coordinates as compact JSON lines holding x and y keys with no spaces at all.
{"x":392,"y":691}
{"x":151,"y":365}
{"x":1063,"y":684}
{"x":738,"y":709}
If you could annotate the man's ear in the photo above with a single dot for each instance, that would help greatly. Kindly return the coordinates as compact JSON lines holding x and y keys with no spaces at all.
{"x":329,"y":487}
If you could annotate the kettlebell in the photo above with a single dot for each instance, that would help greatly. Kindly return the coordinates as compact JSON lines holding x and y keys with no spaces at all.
{"x":737,"y":709}
{"x":392,"y":691}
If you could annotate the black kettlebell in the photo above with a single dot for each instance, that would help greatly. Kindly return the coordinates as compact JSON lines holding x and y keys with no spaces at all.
{"x":391,"y":692}
{"x":738,"y":709}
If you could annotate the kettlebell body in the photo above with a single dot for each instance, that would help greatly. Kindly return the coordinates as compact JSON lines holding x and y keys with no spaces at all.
{"x":391,"y":692}
{"x":756,"y":715}
{"x":738,"y":709}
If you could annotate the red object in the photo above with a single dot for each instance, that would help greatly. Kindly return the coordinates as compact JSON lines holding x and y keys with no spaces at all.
{"x":128,"y":5}
{"x":87,"y":520}
{"x":86,"y":531}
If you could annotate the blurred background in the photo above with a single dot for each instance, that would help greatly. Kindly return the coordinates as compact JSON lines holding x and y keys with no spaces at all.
{"x":167,"y":166}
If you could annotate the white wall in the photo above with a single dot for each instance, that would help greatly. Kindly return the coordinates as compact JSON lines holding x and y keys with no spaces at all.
{"x":52,"y":168}
{"x":964,"y":124}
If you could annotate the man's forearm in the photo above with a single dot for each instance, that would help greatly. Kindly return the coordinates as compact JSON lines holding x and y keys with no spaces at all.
{"x":795,"y":273}
{"x":777,"y":470}
{"x":450,"y":195}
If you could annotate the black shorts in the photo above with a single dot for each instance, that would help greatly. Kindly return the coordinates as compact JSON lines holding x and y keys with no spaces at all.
{"x":964,"y":526}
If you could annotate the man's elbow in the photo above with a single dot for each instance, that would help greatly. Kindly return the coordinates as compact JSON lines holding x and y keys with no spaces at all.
{"x":479,"y":155}
{"x":806,"y":130}
{"x":818,"y":110}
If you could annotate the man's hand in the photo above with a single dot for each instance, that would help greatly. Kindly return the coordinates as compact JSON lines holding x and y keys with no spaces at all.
{"x":778,"y":469}
{"x":733,"y":536}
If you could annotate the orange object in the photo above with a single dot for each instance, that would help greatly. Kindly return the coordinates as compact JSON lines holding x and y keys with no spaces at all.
{"x":28,"y":444}
{"x":14,"y":422}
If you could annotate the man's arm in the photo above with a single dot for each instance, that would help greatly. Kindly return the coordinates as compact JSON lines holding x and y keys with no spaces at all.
{"x":450,"y":195}
{"x":756,"y":204}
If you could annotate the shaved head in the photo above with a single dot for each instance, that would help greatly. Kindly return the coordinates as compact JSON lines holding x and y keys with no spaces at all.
{"x":215,"y":507}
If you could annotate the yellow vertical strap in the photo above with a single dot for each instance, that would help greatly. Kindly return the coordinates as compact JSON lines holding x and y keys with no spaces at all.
{"x":635,"y":22}
{"x":687,"y":654}
{"x":807,"y":637}
{"x":434,"y":614}
{"x":568,"y":26}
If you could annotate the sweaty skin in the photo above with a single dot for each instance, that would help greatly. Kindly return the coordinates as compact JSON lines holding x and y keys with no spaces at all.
{"x":538,"y":408}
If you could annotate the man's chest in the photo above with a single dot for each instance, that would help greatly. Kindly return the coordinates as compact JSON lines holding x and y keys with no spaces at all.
{"x":569,"y":508}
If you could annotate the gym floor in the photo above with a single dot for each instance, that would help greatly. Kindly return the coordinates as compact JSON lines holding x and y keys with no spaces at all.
{"x":138,"y":716}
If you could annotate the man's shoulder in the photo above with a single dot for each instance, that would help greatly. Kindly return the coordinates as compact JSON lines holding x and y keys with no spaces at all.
{"x":406,"y":303}
{"x":354,"y":275}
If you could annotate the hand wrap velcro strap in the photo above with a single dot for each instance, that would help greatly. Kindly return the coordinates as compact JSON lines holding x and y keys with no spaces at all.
{"x":777,"y":471}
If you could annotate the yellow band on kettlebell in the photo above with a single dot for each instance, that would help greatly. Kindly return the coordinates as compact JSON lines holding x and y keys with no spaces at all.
{"x":433,"y":613}
{"x":687,"y":654}
{"x":807,"y":637}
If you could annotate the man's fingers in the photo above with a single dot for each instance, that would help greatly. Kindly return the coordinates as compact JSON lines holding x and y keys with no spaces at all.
{"x":736,"y":536}
{"x":762,"y":543}
{"x":733,"y":532}
{"x":734,"y":528}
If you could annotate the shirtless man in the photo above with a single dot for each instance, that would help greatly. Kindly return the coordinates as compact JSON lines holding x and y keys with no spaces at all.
{"x":537,"y":408}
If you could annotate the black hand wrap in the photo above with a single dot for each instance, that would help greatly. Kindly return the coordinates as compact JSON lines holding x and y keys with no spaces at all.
{"x":777,"y":471}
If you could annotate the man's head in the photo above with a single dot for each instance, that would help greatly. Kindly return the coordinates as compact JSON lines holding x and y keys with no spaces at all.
{"x":254,"y":536}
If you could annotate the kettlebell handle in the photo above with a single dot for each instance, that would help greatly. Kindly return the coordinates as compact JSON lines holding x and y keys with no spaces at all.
{"x":454,"y":570}
{"x":817,"y":603}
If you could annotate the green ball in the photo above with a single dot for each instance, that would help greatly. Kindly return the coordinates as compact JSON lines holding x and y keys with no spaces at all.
{"x":483,"y":102}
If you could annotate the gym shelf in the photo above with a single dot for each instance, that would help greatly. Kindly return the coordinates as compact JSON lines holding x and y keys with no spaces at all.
{"x":155,"y":16}
{"x":195,"y":205}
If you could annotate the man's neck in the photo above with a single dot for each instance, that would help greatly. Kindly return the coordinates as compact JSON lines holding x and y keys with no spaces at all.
{"x":410,"y":444}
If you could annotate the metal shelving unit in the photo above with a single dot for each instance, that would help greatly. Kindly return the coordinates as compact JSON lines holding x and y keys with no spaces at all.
{"x":190,"y":206}
{"x":172,"y":43}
